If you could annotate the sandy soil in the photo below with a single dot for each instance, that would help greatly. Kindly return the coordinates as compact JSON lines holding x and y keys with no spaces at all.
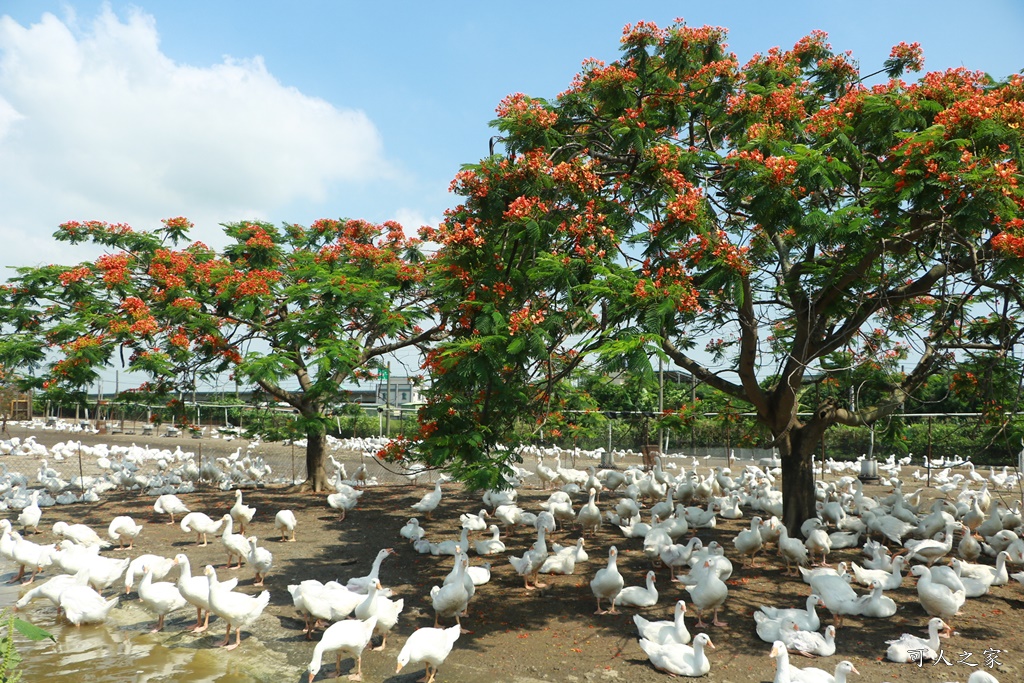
{"x":518,"y":635}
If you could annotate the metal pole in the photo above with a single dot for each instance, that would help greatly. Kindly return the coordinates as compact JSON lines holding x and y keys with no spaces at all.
{"x":929,"y":454}
{"x":661,"y":404}
{"x":81,"y":474}
{"x":387,"y":402}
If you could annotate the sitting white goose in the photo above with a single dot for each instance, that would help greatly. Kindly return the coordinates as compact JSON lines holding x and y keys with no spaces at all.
{"x":159,"y":597}
{"x":607,"y":582}
{"x":202,"y":524}
{"x":786,"y":673}
{"x":122,"y":527}
{"x":890,"y":580}
{"x":769,"y":620}
{"x":477,"y":522}
{"x":638,"y":596}
{"x":562,"y":562}
{"x":997,"y":575}
{"x":664,"y":631}
{"x":361,"y":584}
{"x":430,"y":646}
{"x":678,"y":659}
{"x":875,"y":605}
{"x":412,"y":531}
{"x":450,"y":546}
{"x":237,"y":609}
{"x":491,"y":546}
{"x":808,"y":643}
{"x":350,"y":636}
{"x":910,"y":648}
{"x":480,"y":574}
{"x":285,"y":522}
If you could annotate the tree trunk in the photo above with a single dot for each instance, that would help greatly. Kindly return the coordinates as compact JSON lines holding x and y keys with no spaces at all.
{"x":316,"y":449}
{"x":797,"y":477}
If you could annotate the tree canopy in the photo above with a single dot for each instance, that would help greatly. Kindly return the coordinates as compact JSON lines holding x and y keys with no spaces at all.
{"x":293,"y":310}
{"x":757,"y":224}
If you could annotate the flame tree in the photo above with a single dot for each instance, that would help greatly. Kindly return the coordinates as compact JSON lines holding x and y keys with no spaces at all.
{"x":756,"y":224}
{"x":295,"y":311}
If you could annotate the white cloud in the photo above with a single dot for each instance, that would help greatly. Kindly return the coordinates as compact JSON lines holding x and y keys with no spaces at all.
{"x":97,"y":123}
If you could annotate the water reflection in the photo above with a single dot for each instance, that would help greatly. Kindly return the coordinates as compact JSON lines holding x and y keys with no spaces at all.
{"x":124,"y":651}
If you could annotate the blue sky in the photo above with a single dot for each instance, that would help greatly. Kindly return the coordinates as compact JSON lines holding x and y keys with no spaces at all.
{"x":219,"y":111}
{"x":288,"y":112}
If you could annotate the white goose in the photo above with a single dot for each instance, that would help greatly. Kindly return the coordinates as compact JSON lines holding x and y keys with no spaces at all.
{"x":361,"y":584}
{"x":786,"y":673}
{"x":430,"y":646}
{"x":170,"y":504}
{"x":81,"y":603}
{"x":938,"y":600}
{"x":79,"y":534}
{"x":412,"y":531}
{"x":196,"y":590}
{"x":808,"y":643}
{"x":384,"y":609}
{"x":491,"y":546}
{"x":261,"y":560}
{"x":159,"y":597}
{"x":678,"y":659}
{"x":875,"y":605}
{"x":430,"y":501}
{"x":901,"y":649}
{"x":528,"y":566}
{"x":638,"y":596}
{"x":451,"y":599}
{"x":202,"y":524}
{"x":709,"y":593}
{"x":769,"y":620}
{"x":31,"y":514}
{"x":664,"y":631}
{"x":607,"y":582}
{"x":235,"y":545}
{"x":237,"y":609}
{"x":350,"y":636}
{"x":285,"y":522}
{"x":122,"y":527}
{"x":241,"y":513}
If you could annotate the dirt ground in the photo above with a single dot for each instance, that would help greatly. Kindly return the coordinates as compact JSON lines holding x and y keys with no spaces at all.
{"x":527,"y":636}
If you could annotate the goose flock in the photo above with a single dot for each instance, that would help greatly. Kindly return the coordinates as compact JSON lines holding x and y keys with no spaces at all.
{"x":949,"y":545}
